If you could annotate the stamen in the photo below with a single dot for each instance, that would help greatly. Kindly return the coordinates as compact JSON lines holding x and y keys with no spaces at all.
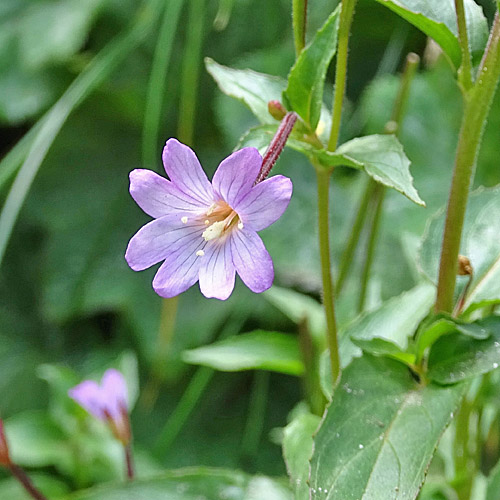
{"x":207,"y":222}
{"x":200,"y":253}
{"x":240,"y":225}
{"x":214,"y":231}
{"x":184,"y":220}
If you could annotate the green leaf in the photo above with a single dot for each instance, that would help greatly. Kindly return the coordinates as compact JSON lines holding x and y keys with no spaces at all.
{"x":254,"y":89}
{"x":430,"y":333}
{"x":298,"y":449}
{"x":440,"y":23}
{"x":306,"y":80}
{"x":258,"y":350}
{"x":394,"y":321}
{"x":383,"y":347}
{"x":379,"y":433}
{"x":479,"y":244}
{"x":53,"y":30}
{"x":192,"y":484}
{"x":493,"y":483}
{"x":299,"y":307}
{"x":458,"y":357}
{"x":381,"y":157}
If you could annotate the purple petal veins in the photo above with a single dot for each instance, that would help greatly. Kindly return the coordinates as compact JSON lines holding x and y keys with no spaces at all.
{"x":206,"y":232}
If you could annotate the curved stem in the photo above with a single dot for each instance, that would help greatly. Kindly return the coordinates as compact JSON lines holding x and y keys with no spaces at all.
{"x":345,"y":22}
{"x":299,"y":20}
{"x":476,"y":111}
{"x":323,"y":179}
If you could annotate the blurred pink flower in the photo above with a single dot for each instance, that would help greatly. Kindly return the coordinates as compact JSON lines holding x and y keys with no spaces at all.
{"x":107,"y":401}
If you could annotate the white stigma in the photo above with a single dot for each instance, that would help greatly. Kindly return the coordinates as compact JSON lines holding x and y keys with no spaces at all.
{"x":240,"y":225}
{"x":200,"y":253}
{"x":184,"y":220}
{"x":214,"y":231}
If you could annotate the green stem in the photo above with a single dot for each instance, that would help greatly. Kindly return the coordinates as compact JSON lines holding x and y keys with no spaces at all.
{"x":475,"y":114}
{"x":163,"y":341}
{"x":157,"y":83}
{"x":256,"y":415}
{"x":377,"y":201}
{"x":299,"y":19}
{"x":310,"y":378}
{"x":191,"y":71}
{"x":461,"y":453}
{"x":465,"y":70}
{"x":412,"y":62}
{"x":352,"y":242}
{"x":191,"y":395}
{"x":345,"y":21}
{"x":323,"y":179}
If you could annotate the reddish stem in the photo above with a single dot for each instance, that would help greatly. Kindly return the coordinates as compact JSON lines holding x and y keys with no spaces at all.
{"x":129,"y":461}
{"x":23,"y":478}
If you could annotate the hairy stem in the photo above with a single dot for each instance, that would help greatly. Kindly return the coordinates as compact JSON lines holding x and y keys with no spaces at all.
{"x":345,"y":22}
{"x":475,"y":114}
{"x":465,"y":70}
{"x":323,"y":179}
{"x":299,"y":20}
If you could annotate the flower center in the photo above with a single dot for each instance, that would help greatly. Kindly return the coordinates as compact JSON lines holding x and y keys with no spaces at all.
{"x":219,"y":218}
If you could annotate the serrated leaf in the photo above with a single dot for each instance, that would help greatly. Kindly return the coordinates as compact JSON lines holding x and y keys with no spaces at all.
{"x":381,"y":156}
{"x":442,"y":326}
{"x":192,"y":484}
{"x":304,"y":92}
{"x":254,"y":89}
{"x":394,"y":321}
{"x":379,"y":433}
{"x":297,"y":451}
{"x":457,"y":357}
{"x":258,"y":350}
{"x":440,"y":23}
{"x":479,"y":244}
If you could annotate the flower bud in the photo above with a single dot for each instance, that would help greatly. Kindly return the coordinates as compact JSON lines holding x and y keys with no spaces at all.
{"x":464,"y":266}
{"x":276,"y":110}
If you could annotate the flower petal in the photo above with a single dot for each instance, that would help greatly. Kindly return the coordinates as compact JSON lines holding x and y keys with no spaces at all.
{"x":88,"y":395}
{"x":181,"y":267}
{"x":154,"y":241}
{"x":184,"y":170}
{"x":265,"y":203}
{"x":158,"y":196}
{"x":252,"y":261}
{"x":217,"y":271}
{"x":114,"y":392}
{"x":236,"y":174}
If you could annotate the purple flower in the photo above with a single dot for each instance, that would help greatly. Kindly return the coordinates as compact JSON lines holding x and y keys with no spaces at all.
{"x":107,"y":401}
{"x":206,"y":232}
